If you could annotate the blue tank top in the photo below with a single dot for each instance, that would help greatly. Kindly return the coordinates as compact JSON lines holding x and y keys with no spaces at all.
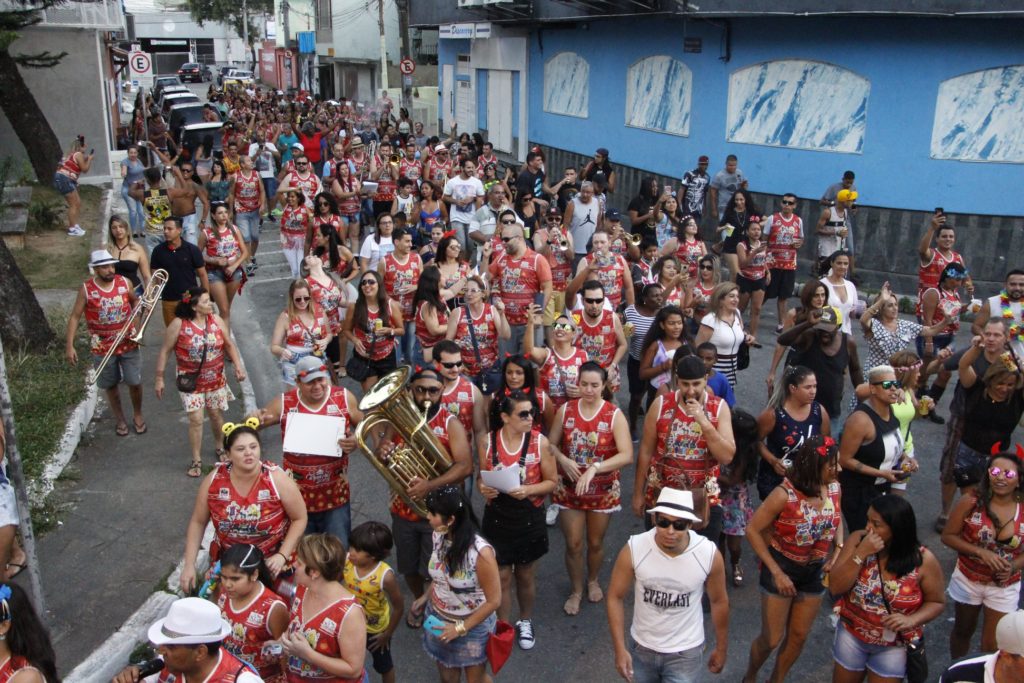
{"x":783,"y":441}
{"x":427,"y":219}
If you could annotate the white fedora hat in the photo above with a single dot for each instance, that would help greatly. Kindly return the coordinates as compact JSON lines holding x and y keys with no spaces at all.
{"x":190,"y":621}
{"x":675,"y":503}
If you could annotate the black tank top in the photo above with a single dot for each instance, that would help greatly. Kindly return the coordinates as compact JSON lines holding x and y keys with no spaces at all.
{"x":830,"y":371}
{"x":888,"y":441}
{"x":784,"y":440}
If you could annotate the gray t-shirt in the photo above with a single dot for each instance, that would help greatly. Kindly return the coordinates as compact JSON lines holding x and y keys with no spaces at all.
{"x":726,"y":184}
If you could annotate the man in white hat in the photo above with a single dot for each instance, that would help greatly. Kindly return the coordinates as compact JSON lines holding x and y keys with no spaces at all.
{"x":1005,"y":665}
{"x":669,"y":568}
{"x":189,"y":641}
{"x":107,"y":299}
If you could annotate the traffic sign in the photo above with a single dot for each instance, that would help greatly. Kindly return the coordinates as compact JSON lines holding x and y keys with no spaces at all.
{"x":407,"y":66}
{"x":141,"y":64}
{"x":288,"y":54}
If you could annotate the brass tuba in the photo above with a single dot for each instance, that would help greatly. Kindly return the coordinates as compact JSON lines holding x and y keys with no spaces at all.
{"x":420,"y":456}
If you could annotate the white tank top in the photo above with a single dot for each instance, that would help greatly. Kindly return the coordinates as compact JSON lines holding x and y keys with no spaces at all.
{"x":995,"y":310}
{"x":667,"y":615}
{"x":584,"y":221}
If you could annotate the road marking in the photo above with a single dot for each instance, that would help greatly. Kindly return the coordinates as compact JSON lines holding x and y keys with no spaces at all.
{"x":260,"y":281}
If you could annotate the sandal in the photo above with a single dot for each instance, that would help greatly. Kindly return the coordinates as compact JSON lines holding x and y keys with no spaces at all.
{"x":121,"y":429}
{"x":594,"y":592}
{"x":414,"y":619}
{"x":737,"y":576}
{"x":20,"y":568}
{"x":572,"y":605}
{"x":195,"y":470}
{"x":140,"y":429}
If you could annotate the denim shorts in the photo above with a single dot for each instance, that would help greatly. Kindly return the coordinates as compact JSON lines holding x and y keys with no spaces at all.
{"x":666,"y":667}
{"x":217,"y":275}
{"x":126,"y":367}
{"x":467,"y":650}
{"x":853,"y":654}
{"x":8,"y":505}
{"x":248,"y":223}
{"x":64,"y":184}
{"x":336,"y":521}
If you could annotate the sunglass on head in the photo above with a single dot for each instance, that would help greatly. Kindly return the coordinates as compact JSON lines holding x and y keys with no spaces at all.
{"x":455,"y":364}
{"x":887,"y":384}
{"x":300,"y":299}
{"x":306,"y":373}
{"x":565,"y":327}
{"x":677,"y":524}
{"x":594,"y":301}
{"x":1008,"y":474}
{"x":364,"y":283}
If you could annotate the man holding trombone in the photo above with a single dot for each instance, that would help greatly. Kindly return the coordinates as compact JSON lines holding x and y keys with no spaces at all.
{"x":108,"y":301}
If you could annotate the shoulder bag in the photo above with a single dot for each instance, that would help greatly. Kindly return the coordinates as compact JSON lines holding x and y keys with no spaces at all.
{"x":917,"y":658}
{"x":188,"y":381}
{"x":487,"y":379}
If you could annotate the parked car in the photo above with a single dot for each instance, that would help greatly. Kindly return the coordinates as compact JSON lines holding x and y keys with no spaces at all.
{"x":183,"y":115}
{"x":242,"y":77}
{"x":191,"y":71}
{"x":175,"y":98}
{"x":162,"y":82}
{"x":222,"y":72}
{"x":207,"y":134}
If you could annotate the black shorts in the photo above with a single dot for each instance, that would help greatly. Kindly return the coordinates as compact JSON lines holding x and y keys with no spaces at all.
{"x":748,"y":286}
{"x":516,"y":529}
{"x":382,"y":661}
{"x":781,"y":285}
{"x":806,"y":578}
{"x":413,"y":545}
{"x":379,"y":368}
{"x":636,"y":385}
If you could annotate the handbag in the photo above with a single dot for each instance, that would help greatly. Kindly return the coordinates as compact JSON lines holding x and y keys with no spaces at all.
{"x":917,"y":658}
{"x":188,"y":381}
{"x":499,"y":645}
{"x":358,"y":367}
{"x":743,"y":357}
{"x":487,"y":379}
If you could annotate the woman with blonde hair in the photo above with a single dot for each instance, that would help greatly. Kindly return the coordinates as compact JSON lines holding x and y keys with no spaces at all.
{"x":302,"y":329}
{"x":132,"y":261}
{"x":723,"y":327}
{"x":65,"y":180}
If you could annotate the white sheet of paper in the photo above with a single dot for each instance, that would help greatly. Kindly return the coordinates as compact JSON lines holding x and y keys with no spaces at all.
{"x":369,"y":188}
{"x":314,"y":434}
{"x":504,"y":480}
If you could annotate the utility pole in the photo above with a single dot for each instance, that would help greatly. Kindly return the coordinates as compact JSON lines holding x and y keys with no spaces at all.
{"x":403,"y":29}
{"x":383,"y":47}
{"x":245,"y":30}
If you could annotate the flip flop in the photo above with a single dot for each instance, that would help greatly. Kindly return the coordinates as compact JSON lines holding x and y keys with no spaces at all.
{"x":21,"y":568}
{"x":195,"y":470}
{"x":594,"y":592}
{"x":121,"y":429}
{"x":414,"y":619}
{"x":572,"y":605}
{"x":141,"y":430}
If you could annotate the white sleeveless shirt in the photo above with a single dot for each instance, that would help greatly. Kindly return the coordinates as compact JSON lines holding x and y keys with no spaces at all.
{"x":995,"y":310}
{"x":667,"y":615}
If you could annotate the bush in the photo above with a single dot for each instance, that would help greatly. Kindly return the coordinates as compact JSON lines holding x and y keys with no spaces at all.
{"x":43,"y":214}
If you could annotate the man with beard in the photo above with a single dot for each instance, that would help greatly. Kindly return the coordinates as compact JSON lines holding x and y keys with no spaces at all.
{"x":687,"y":435}
{"x":1008,"y":305}
{"x":107,"y":300}
{"x":483,"y":226}
{"x":520,"y":277}
{"x":608,"y":268}
{"x":184,"y":205}
{"x":819,"y":345}
{"x":601,"y":336}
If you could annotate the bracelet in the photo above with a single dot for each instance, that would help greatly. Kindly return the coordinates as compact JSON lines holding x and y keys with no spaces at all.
{"x":460,"y":627}
{"x":285,"y":557}
{"x":858,"y":560}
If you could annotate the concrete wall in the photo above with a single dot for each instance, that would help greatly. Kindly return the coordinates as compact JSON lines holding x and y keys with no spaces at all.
{"x":850,"y":93}
{"x":67,"y":94}
{"x":354,"y":32}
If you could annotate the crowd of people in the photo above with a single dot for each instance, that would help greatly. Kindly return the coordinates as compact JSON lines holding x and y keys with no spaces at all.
{"x":512,"y":304}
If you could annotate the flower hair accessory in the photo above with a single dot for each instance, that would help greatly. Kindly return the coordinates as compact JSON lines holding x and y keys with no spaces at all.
{"x":448,"y":233}
{"x":1009,"y":361}
{"x":827,"y":443}
{"x":251,"y":422}
{"x":186,"y":297}
{"x":908,"y":368}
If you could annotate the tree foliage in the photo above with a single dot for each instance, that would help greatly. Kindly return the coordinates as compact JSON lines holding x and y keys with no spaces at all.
{"x":12,"y":21}
{"x":230,"y":12}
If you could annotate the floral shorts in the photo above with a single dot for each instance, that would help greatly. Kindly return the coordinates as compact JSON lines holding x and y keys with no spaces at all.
{"x":217,"y":399}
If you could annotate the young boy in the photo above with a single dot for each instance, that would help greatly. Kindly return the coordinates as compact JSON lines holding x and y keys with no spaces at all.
{"x":717,"y":382}
{"x":373,"y":583}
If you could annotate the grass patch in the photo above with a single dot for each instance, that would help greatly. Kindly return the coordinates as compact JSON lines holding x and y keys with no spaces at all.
{"x":51,"y":259}
{"x":44,"y":389}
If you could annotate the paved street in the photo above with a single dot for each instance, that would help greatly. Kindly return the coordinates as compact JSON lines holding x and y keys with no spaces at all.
{"x":124,"y":526}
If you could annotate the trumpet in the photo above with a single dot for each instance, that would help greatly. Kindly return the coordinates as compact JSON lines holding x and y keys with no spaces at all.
{"x":394,"y":160}
{"x":635,"y":238}
{"x":143,"y":311}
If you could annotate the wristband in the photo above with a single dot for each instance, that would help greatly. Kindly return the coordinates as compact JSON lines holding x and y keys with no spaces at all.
{"x":460,"y":627}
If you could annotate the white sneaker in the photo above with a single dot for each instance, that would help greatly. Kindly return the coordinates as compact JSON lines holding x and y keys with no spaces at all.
{"x":75,"y":231}
{"x":524,"y":630}
{"x":551,"y":516}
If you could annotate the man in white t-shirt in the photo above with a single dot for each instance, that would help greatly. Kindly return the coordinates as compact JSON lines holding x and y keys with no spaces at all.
{"x":485,"y":220}
{"x":669,"y":568}
{"x":263,"y":156}
{"x":464,"y":194}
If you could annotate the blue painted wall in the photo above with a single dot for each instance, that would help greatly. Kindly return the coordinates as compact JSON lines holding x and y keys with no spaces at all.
{"x":904,"y":61}
{"x":481,"y":99}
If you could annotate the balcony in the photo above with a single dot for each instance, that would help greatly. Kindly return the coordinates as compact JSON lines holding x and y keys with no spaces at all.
{"x":102,"y":15}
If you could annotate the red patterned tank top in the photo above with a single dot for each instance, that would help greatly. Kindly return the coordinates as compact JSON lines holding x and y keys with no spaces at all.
{"x":257,"y":517}
{"x":322,"y":480}
{"x":803,"y":532}
{"x":586,"y":441}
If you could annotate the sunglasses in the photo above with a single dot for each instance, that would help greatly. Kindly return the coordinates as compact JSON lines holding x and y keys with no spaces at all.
{"x":706,"y":267}
{"x":1007,"y":474}
{"x":455,"y":364}
{"x":367,"y":283}
{"x":525,"y":414}
{"x":506,"y":240}
{"x":887,"y":384}
{"x":593,"y":301}
{"x":677,"y":524}
{"x":510,"y":222}
{"x":427,"y":390}
{"x":565,"y":327}
{"x":785,"y":203}
{"x":300,"y":299}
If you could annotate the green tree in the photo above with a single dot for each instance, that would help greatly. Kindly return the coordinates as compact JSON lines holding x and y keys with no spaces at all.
{"x":230,"y":12}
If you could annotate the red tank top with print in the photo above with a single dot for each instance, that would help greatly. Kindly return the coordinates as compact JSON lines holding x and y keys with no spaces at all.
{"x":228,"y":668}
{"x":802,"y":532}
{"x":457,"y":401}
{"x":106,"y":311}
{"x":500,"y":456}
{"x":322,"y":480}
{"x":598,"y":340}
{"x":517,"y":281}
{"x":681,"y":459}
{"x":862,"y":608}
{"x":928,"y":275}
{"x":398,"y":276}
{"x":611,"y":275}
{"x":448,"y":281}
{"x":561,"y":267}
{"x":188,"y":352}
{"x":321,"y":632}
{"x":299,"y":335}
{"x":349,"y":206}
{"x":428,"y":340}
{"x":310,"y":186}
{"x":328,"y":298}
{"x":439,"y":173}
{"x":689,"y":254}
{"x":221,"y":244}
{"x":438,"y":424}
{"x":379,"y":347}
{"x":250,"y":630}
{"x":781,"y":252}
{"x":486,"y":339}
{"x":386,"y":185}
{"x":948,"y":308}
{"x":69,"y":166}
{"x":295,"y":220}
{"x":331,"y":219}
{"x":247,"y":191}
{"x":409,"y":169}
{"x":757,"y":267}
{"x":585,"y":442}
{"x":557,"y":372}
{"x":11,"y":666}
{"x":257,"y":517}
{"x":979,"y":530}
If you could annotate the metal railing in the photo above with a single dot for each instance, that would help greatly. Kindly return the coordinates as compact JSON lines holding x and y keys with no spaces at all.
{"x":103,"y":15}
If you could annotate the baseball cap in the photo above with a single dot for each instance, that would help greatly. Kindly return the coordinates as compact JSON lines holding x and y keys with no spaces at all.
{"x":100,"y":257}
{"x":1010,"y":633}
{"x":190,"y":621}
{"x":297,"y":145}
{"x":846,"y":196}
{"x":831,"y":318}
{"x":309,"y":369}
{"x":675,"y":503}
{"x":703,"y":159}
{"x":603,"y":151}
{"x":613,"y":215}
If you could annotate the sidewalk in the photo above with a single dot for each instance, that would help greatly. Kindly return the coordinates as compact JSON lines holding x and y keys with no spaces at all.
{"x":125,"y":502}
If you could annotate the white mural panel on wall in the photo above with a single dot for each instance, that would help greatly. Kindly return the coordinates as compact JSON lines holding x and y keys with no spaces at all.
{"x":978,"y":116}
{"x":567,"y":85}
{"x":658,"y":95}
{"x":798,"y":103}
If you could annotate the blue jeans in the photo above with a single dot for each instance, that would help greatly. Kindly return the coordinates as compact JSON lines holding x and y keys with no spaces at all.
{"x":136,"y":216}
{"x":190,"y":228}
{"x":337,"y":522}
{"x":675,"y":667}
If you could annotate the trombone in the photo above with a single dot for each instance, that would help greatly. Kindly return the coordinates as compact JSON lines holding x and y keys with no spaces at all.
{"x":143,"y":311}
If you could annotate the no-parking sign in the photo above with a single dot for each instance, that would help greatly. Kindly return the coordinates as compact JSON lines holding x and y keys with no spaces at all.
{"x":407,"y":66}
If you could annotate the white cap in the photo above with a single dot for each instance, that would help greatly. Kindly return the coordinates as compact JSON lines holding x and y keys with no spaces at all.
{"x":190,"y":621}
